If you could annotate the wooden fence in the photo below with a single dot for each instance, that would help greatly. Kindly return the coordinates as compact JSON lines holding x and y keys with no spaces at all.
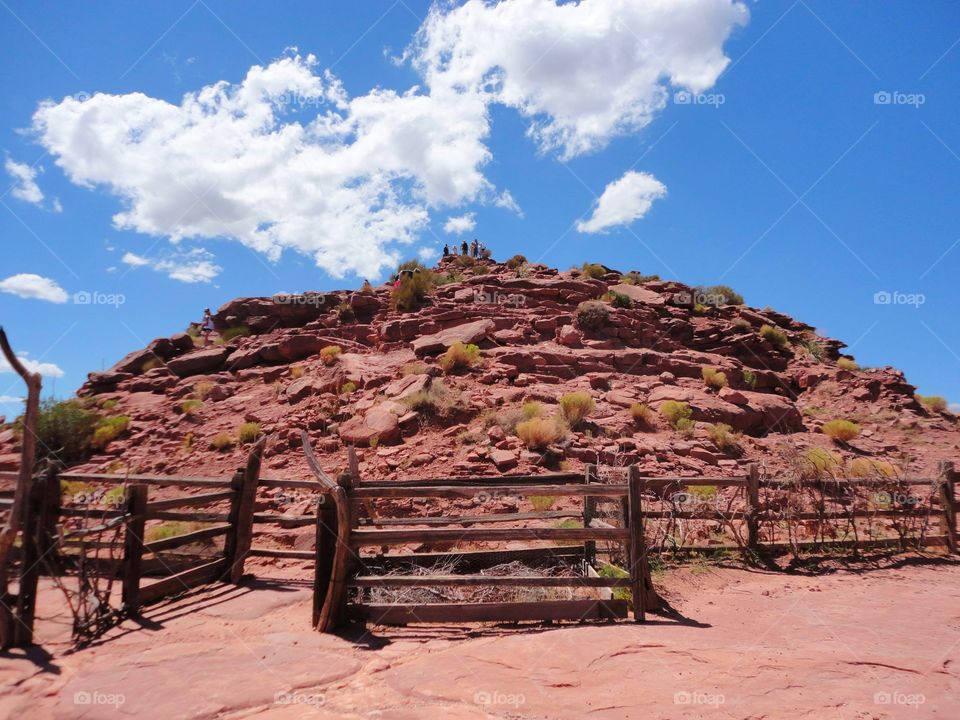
{"x":617,"y":511}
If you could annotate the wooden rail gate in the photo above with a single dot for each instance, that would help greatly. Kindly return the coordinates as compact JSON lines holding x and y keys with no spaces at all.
{"x":616,"y":513}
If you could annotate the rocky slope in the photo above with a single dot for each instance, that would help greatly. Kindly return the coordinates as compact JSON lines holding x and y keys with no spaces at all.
{"x":180,"y":398}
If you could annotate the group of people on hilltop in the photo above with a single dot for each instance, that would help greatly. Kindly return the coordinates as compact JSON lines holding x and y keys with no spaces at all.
{"x":475,"y":249}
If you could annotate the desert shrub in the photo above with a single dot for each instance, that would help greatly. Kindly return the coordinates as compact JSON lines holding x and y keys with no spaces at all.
{"x":817,"y":462}
{"x":612,"y":571}
{"x":933,"y":402}
{"x":750,"y":378}
{"x":437,"y":399}
{"x":416,"y":282}
{"x":774,"y":336}
{"x":674,"y":411}
{"x":713,"y":378}
{"x":685,"y":426}
{"x":532,"y":409}
{"x":742,"y":325}
{"x":345,"y":313}
{"x":173,"y":529}
{"x":542,"y":503}
{"x":642,"y":415}
{"x":867,"y":468}
{"x":593,"y":270}
{"x":248,"y":432}
{"x":841,"y":430}
{"x":718,"y":295}
{"x":724,"y":437}
{"x":447,"y":278}
{"x":108,"y":404}
{"x":846,"y":363}
{"x":464,"y":261}
{"x":151,"y":364}
{"x":330,"y":354}
{"x":618,"y":299}
{"x":576,"y":406}
{"x":637,"y":278}
{"x":235,"y":332}
{"x":414,"y":368}
{"x":700,"y":309}
{"x":108,"y":429}
{"x":813,"y":347}
{"x":592,"y":315}
{"x":515,"y":262}
{"x":190,"y":406}
{"x":480,"y":269}
{"x":539,"y":432}
{"x":64,"y":430}
{"x":297,"y":372}
{"x":222,"y":441}
{"x":348,"y":388}
{"x":202,"y":389}
{"x":459,"y":356}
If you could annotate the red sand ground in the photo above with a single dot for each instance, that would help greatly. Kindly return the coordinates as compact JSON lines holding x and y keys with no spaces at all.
{"x":756,"y":644}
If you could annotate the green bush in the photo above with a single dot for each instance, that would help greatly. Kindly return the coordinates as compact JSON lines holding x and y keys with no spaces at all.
{"x":750,"y":378}
{"x":108,"y":429}
{"x":642,"y":415}
{"x":222,"y":441}
{"x":674,"y":411}
{"x":345,"y":313}
{"x":742,"y":325}
{"x":685,"y":426}
{"x":459,"y":356}
{"x":414,"y":286}
{"x":517,"y":261}
{"x":819,"y":462}
{"x":724,"y":437}
{"x":248,"y":432}
{"x":592,"y":270}
{"x":542,"y":503}
{"x":437,"y":400}
{"x":592,"y":315}
{"x":636,"y":278}
{"x":348,"y":388}
{"x":235,"y":332}
{"x":841,"y":430}
{"x":618,"y":299}
{"x":64,"y":431}
{"x":576,"y":406}
{"x":713,"y":378}
{"x":933,"y":402}
{"x":814,"y":348}
{"x":774,"y":336}
{"x":539,"y":432}
{"x":330,"y":354}
{"x":716,"y":295}
{"x":190,"y":406}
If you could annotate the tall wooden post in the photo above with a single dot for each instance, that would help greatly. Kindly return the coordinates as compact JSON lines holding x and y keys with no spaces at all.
{"x":50,"y":517}
{"x":948,"y":504}
{"x":325,"y":548}
{"x":243,"y":527}
{"x":589,"y":513}
{"x":29,"y":564}
{"x":753,"y":506}
{"x":638,"y":549}
{"x":135,"y":505}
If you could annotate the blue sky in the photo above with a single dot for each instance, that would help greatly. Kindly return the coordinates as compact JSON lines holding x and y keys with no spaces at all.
{"x":814,"y":169}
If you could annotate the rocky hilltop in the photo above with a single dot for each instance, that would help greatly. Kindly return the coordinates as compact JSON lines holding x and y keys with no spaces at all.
{"x":680,"y":383}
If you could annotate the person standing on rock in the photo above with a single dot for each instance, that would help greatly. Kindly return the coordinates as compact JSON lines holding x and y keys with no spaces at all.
{"x":474,"y":248}
{"x":464,"y":250}
{"x":446,"y":250}
{"x":206,"y":326}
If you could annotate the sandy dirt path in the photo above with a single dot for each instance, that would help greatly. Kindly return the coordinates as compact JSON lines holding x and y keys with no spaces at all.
{"x":750,"y":644}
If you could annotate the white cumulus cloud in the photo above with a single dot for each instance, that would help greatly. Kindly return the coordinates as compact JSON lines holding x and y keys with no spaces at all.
{"x":24,"y":182}
{"x":44,"y":368}
{"x":460,"y":224}
{"x":35,"y":287}
{"x":954,"y":408}
{"x":190,"y":266}
{"x":623,"y":201}
{"x":583,"y":72}
{"x":10,"y":400}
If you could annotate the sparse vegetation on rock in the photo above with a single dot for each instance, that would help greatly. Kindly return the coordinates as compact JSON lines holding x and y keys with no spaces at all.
{"x":592,"y":315}
{"x":459,"y":356}
{"x":576,"y":407}
{"x":841,"y":430}
{"x":330,"y":354}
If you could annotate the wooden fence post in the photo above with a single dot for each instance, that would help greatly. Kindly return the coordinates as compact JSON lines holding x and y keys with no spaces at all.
{"x":245,"y":499}
{"x":948,"y":504}
{"x":230,"y":540}
{"x":753,"y":506}
{"x":135,"y":505}
{"x":638,"y":551}
{"x":29,"y":563}
{"x":589,"y":513}
{"x":325,"y":548}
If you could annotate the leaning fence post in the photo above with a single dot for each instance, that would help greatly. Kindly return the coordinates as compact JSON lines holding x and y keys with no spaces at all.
{"x":51,"y":515}
{"x":230,"y":539}
{"x":753,"y":506}
{"x":244,"y":519}
{"x":948,"y":504}
{"x":325,"y":548}
{"x":638,"y":550}
{"x":135,"y":506}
